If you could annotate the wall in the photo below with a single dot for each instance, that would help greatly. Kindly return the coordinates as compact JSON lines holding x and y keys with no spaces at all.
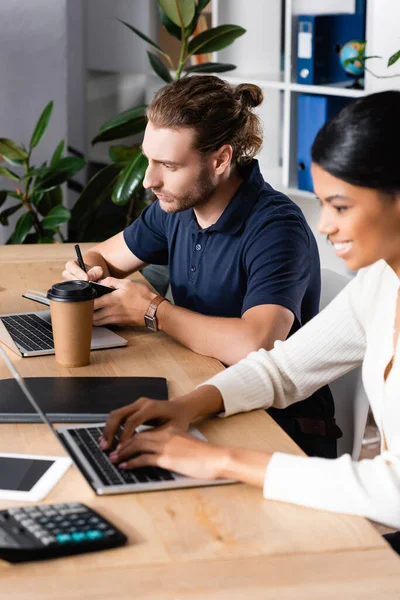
{"x":32,"y":72}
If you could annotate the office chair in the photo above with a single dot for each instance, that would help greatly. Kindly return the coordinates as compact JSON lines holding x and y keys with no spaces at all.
{"x":351,"y":403}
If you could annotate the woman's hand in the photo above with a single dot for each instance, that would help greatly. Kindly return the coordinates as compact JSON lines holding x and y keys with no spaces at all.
{"x":142,"y":411}
{"x":179,"y":413}
{"x":176,"y":451}
{"x":171,"y":449}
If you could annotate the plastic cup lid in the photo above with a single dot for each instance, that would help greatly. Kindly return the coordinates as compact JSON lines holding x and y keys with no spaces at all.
{"x":71,"y":291}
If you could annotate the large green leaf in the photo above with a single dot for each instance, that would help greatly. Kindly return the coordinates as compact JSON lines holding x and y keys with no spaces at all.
{"x":181,"y":12}
{"x":214,"y":39}
{"x":169,"y":25}
{"x":3,"y":196}
{"x":124,"y":117}
{"x":394,"y":58}
{"x":48,"y":200}
{"x":201,"y":4}
{"x":159,"y":68}
{"x":22,"y":228}
{"x":56,"y":217}
{"x":61,"y":171}
{"x":58,"y":152}
{"x":4,"y":172}
{"x":210,"y":67}
{"x":123,"y":125}
{"x":93,"y":195}
{"x":11,"y":151}
{"x":144,"y":37}
{"x":130,"y":179}
{"x":41,"y":126}
{"x":8,"y":212}
{"x":122,"y":154}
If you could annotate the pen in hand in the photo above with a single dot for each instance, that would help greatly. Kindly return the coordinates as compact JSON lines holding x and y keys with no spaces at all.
{"x":79,"y":257}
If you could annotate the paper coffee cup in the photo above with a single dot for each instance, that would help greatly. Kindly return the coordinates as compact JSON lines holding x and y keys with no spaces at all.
{"x":71,"y":308}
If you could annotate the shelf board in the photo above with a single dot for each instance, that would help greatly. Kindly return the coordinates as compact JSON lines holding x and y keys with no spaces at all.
{"x":272,"y":81}
{"x":334,"y":89}
{"x":276,"y":82}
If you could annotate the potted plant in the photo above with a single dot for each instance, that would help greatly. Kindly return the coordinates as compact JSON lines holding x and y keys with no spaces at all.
{"x":122,"y":179}
{"x":37,"y":190}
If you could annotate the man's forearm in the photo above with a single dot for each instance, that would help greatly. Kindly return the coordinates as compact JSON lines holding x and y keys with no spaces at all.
{"x":227,"y":339}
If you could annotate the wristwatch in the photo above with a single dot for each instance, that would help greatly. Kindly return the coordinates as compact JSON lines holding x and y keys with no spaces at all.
{"x":150,"y":319}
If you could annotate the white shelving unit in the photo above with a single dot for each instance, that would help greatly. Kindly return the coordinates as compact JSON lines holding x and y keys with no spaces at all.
{"x":257,"y":55}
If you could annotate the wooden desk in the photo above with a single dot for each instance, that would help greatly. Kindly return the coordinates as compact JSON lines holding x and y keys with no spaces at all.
{"x":217,"y":542}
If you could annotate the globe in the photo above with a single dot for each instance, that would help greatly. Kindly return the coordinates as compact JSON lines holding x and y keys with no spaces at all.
{"x":352,"y":49}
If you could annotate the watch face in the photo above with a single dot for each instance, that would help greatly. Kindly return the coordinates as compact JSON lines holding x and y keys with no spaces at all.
{"x":150,"y":322}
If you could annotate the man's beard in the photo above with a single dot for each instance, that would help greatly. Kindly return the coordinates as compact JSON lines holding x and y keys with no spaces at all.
{"x":200,"y":193}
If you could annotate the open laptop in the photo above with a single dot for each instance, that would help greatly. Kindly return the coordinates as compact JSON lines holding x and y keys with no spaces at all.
{"x":31,"y":334}
{"x":81,"y":443}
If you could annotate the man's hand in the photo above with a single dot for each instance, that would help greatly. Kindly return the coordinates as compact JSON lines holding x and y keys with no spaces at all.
{"x":126,"y":306}
{"x":143,"y":410}
{"x":73,"y":271}
{"x":170,"y":449}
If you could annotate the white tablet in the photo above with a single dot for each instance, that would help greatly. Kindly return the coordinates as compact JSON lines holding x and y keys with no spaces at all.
{"x":29,"y":477}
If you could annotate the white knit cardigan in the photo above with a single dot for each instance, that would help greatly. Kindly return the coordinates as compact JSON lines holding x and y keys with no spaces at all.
{"x":355,"y":328}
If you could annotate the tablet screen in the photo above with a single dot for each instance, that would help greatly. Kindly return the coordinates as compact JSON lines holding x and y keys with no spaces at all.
{"x":21,"y":474}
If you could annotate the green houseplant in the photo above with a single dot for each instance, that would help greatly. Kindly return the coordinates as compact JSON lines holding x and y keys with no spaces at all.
{"x":122,"y":179}
{"x":37,"y":190}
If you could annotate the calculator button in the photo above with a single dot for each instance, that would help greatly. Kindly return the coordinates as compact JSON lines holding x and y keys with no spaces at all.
{"x":48,"y":539}
{"x":47,"y":513}
{"x":35,"y":515}
{"x":94,"y":534}
{"x":19,"y":517}
{"x":109,"y":532}
{"x":79,"y":536}
{"x":27,"y":523}
{"x":64,"y":524}
{"x":63,"y":538}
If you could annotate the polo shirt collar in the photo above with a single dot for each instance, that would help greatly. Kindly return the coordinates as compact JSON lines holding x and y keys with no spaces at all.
{"x":238,"y":208}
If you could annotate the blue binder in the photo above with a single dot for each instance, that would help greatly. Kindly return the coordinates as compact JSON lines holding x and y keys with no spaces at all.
{"x":319,"y":40}
{"x":312,"y":112}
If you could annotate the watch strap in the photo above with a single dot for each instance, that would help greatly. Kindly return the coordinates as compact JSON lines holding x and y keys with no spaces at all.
{"x":154,"y":304}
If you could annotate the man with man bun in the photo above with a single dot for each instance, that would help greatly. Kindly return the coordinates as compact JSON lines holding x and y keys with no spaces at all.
{"x":243,"y":263}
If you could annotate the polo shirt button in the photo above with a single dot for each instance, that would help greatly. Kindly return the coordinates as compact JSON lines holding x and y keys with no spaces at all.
{"x":198,"y":246}
{"x":193,"y":268}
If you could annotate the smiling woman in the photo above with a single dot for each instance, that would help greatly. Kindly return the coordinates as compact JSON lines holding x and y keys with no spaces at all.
{"x":357,"y":178}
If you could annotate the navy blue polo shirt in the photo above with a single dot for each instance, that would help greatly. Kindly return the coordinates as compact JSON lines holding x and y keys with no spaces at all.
{"x":260,"y":251}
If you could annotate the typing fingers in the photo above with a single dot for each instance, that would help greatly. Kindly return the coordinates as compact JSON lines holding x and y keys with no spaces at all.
{"x":149,"y":412}
{"x":142,"y":443}
{"x":115,"y":419}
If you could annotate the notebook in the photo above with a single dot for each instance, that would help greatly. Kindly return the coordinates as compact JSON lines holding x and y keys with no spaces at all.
{"x":81,"y":443}
{"x":75,"y":399}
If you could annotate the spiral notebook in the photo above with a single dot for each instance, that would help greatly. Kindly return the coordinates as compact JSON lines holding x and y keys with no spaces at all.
{"x":76,"y":399}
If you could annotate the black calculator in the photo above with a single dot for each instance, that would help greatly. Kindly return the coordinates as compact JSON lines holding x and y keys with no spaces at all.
{"x":53,"y":530}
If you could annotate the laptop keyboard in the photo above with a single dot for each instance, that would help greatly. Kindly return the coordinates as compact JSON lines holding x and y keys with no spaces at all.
{"x":30,"y":331}
{"x":87,"y":441}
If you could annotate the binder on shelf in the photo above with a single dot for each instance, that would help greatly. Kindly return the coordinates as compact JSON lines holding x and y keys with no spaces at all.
{"x":319,"y":40}
{"x":312,"y":112}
